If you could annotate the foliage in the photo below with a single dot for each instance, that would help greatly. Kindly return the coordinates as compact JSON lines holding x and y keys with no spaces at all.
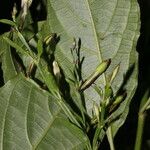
{"x":69,"y":79}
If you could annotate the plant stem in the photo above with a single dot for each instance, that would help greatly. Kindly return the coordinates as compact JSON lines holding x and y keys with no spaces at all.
{"x":96,"y":136}
{"x":53,"y":88}
{"x":141,"y":122}
{"x":99,"y":126}
{"x":110,"y":138}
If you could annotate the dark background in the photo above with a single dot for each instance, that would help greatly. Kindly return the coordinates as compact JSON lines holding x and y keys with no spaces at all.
{"x":126,"y":136}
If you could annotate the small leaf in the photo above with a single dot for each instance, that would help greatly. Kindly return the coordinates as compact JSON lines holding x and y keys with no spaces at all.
{"x":9,"y":22}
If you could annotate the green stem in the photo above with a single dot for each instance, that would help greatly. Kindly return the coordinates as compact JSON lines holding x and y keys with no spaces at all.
{"x":53,"y":88}
{"x":141,"y":122}
{"x":45,"y":73}
{"x":96,"y":136}
{"x":110,"y":138}
{"x":99,"y":127}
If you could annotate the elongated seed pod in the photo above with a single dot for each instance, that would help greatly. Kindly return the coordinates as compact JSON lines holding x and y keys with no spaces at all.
{"x":118,"y":101}
{"x":108,"y":91}
{"x":49,"y":38}
{"x":99,"y":70}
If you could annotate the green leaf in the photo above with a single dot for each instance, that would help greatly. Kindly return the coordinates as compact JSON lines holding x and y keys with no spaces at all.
{"x":31,"y":119}
{"x":16,"y":46}
{"x":9,"y":70}
{"x":9,"y":22}
{"x":108,"y":29}
{"x":8,"y":67}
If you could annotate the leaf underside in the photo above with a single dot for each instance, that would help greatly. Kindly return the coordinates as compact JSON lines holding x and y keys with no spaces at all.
{"x":108,"y":29}
{"x":31,"y":119}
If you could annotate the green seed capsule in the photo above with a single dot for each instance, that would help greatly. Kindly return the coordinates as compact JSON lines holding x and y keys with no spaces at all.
{"x":99,"y":70}
{"x":49,"y":38}
{"x":108,"y":91}
{"x":118,"y":101}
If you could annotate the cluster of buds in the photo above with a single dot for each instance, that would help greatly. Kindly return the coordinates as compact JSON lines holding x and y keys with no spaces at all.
{"x":109,"y":102}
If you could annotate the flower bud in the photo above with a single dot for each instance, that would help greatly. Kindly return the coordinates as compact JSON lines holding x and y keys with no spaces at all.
{"x":118,"y":101}
{"x":49,"y":38}
{"x":56,"y":69}
{"x":99,"y":70}
{"x":108,"y":91}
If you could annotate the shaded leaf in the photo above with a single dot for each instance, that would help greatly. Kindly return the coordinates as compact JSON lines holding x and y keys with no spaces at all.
{"x":9,"y":70}
{"x":8,"y":67}
{"x":16,"y":46}
{"x":31,"y":119}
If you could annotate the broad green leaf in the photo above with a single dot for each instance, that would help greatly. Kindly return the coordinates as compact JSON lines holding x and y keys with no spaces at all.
{"x":31,"y":119}
{"x":108,"y":29}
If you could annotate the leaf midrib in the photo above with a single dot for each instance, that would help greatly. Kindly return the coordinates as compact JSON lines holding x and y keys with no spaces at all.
{"x":96,"y":38}
{"x":46,"y":130}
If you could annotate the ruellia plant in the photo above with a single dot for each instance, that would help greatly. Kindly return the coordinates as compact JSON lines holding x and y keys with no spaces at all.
{"x":68,"y":79}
